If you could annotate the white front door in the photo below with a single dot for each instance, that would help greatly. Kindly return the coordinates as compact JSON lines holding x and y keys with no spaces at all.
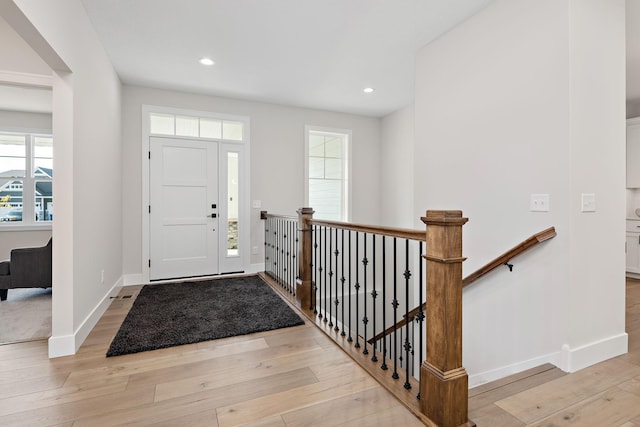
{"x":183,"y":196}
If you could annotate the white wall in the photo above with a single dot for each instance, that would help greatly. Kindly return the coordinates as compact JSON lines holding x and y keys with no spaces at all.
{"x":506,"y":106}
{"x":633,"y":108}
{"x":88,"y":163}
{"x":17,"y":55}
{"x":396,"y":167}
{"x":277,"y":168}
{"x":598,"y":164}
{"x":21,"y":239}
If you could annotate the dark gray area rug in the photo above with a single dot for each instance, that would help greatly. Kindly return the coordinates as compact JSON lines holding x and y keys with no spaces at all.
{"x":171,"y":314}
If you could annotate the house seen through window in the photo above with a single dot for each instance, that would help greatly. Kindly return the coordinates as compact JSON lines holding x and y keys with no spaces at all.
{"x":26,"y":175}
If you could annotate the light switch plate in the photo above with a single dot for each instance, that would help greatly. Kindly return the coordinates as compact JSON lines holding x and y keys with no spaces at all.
{"x":588,"y":202}
{"x":539,"y":203}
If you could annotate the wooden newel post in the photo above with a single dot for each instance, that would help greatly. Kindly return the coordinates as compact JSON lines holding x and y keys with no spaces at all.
{"x":303,"y":281}
{"x":444,"y":383}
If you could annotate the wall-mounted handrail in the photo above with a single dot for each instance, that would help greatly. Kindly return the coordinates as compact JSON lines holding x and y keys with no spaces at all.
{"x":503,"y":259}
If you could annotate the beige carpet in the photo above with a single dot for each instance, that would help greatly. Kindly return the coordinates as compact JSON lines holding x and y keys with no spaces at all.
{"x":25,"y":315}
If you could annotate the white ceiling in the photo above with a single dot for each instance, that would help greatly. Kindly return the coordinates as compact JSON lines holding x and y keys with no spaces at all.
{"x":317,"y":54}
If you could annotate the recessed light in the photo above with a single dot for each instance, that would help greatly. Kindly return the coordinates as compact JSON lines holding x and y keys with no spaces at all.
{"x":206,"y":61}
{"x":368,"y":90}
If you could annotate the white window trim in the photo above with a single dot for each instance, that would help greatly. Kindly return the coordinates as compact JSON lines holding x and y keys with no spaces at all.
{"x":347,"y":166}
{"x":243,"y":147}
{"x":28,"y":223}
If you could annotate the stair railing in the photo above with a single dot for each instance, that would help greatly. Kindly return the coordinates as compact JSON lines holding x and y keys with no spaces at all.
{"x":281,"y":243}
{"x":355,"y":280}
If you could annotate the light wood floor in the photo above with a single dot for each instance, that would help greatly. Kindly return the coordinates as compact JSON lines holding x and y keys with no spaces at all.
{"x":289,"y":377}
{"x":606,"y":394}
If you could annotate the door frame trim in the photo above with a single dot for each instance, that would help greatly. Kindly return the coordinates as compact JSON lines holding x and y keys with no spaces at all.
{"x":244,"y":147}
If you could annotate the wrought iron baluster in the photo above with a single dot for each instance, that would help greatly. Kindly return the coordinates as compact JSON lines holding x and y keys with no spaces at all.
{"x":285,"y":255}
{"x":315,"y":269}
{"x":394,"y":303}
{"x":270,"y":247}
{"x":337,"y":300}
{"x":365,"y":319}
{"x":282,"y":261}
{"x":292,"y":280}
{"x":407,"y":343}
{"x":320,"y":270}
{"x":296,"y":267}
{"x":267,"y":267}
{"x":350,"y":338}
{"x":342,"y":280}
{"x":330,"y":277}
{"x":276,"y":252}
{"x":374,"y":296}
{"x":384,"y":366}
{"x":281,"y":246}
{"x":325,"y":274}
{"x":357,"y":288}
{"x":413,"y":357}
{"x":400,"y":358}
{"x":272,"y":258}
{"x":289,"y":258}
{"x":276,"y":237}
{"x":420,"y":316}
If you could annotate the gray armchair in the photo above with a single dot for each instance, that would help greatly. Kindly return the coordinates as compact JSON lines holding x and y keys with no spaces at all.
{"x":27,"y":268}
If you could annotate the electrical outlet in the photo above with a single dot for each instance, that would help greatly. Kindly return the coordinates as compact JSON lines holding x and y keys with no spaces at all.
{"x":254,"y":250}
{"x":539,"y":203}
{"x":257,"y":204}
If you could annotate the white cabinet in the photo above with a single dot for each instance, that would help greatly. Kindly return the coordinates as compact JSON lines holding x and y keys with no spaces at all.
{"x":633,"y":253}
{"x":633,"y":153}
{"x":633,"y":247}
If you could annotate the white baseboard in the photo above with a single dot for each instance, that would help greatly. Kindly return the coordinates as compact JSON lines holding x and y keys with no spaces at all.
{"x":505,"y":371}
{"x":133,"y":279}
{"x":567,"y":359}
{"x":256,"y":268}
{"x":571,"y":360}
{"x":61,"y":346}
{"x":67,"y":345}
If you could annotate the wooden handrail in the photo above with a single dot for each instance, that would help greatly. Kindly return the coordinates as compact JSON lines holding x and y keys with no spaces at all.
{"x":532,"y":241}
{"x":403,"y":233}
{"x":503,"y":259}
{"x":266,"y":215}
